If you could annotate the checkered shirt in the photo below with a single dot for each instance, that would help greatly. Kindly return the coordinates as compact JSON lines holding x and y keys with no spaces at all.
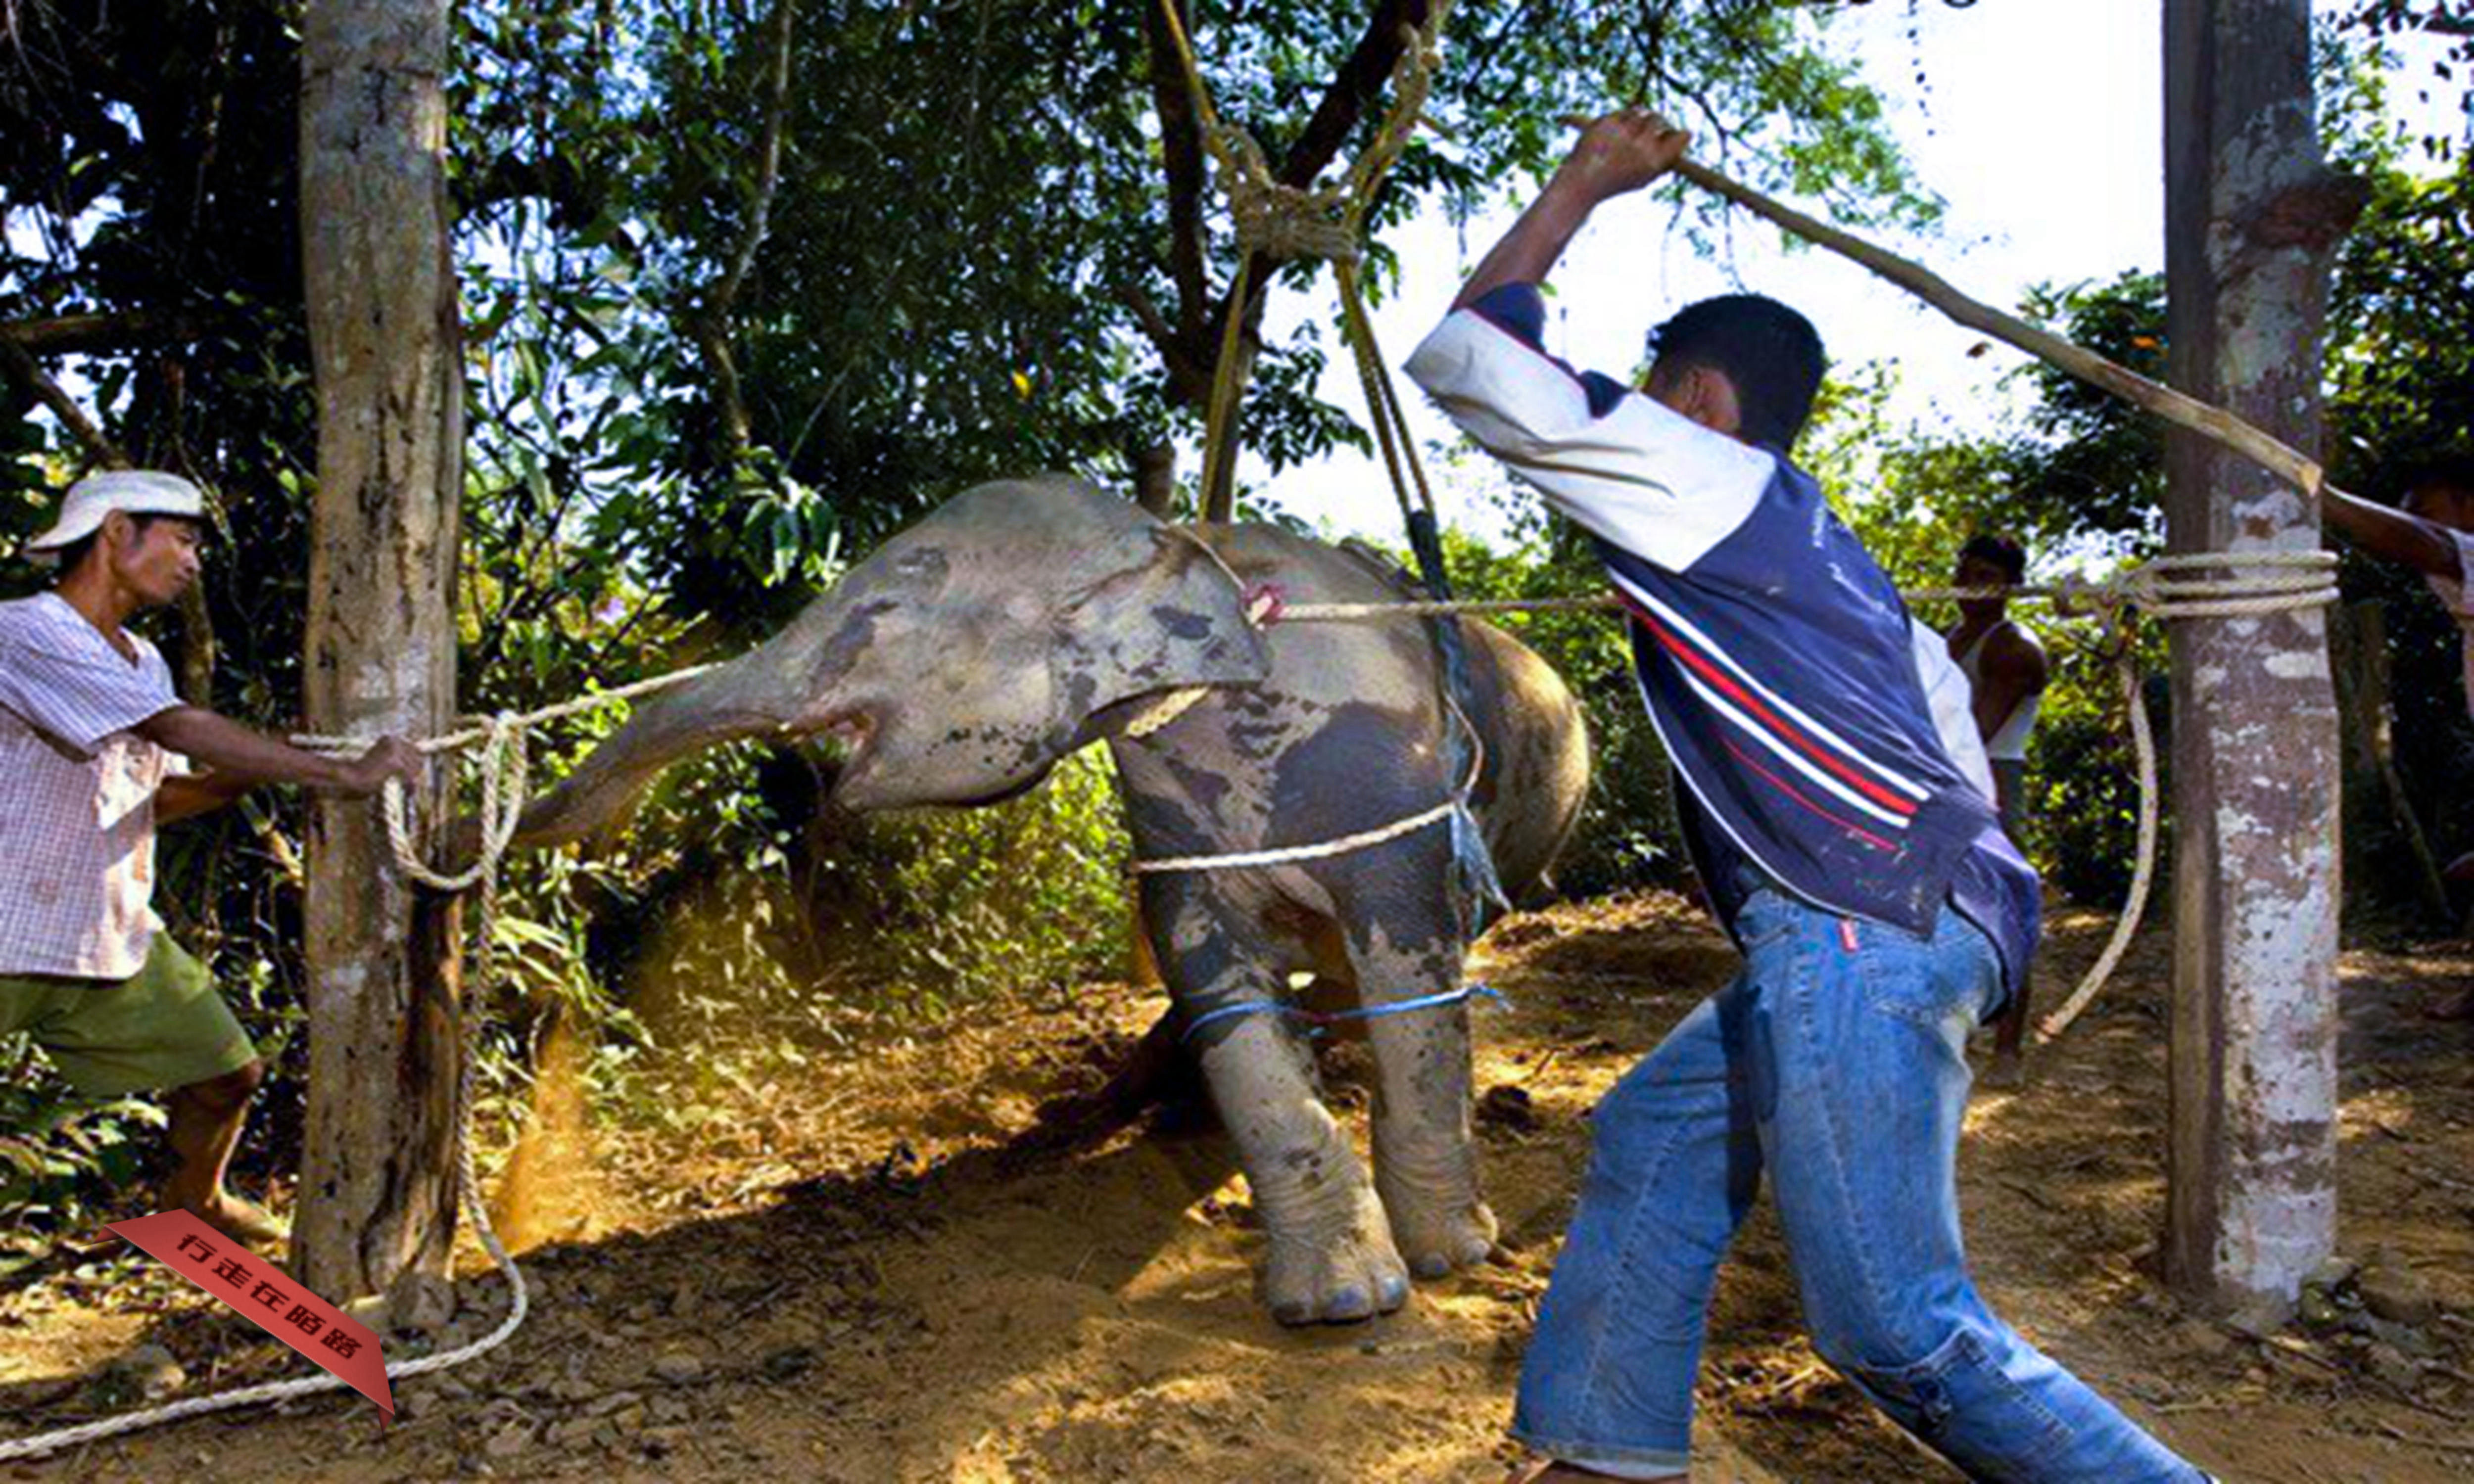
{"x":77,"y":794}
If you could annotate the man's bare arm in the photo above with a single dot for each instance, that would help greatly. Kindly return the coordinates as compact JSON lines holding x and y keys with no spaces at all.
{"x":1618,"y":153}
{"x":250,"y":757}
{"x":186,"y":796}
{"x":2393,"y":535}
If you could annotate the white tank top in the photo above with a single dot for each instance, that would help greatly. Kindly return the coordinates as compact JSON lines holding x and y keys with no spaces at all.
{"x":2009,"y":741}
{"x":2459,"y":595}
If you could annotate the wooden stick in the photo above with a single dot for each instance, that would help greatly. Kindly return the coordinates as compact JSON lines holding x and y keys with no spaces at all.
{"x":2279,"y":458}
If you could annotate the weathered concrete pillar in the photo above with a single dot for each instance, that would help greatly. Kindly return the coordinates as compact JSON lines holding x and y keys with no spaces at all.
{"x":2252,"y":217}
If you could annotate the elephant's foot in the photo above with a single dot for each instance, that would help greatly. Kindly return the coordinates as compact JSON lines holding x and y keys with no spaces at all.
{"x":1440,"y":1224}
{"x":1337,"y":1269}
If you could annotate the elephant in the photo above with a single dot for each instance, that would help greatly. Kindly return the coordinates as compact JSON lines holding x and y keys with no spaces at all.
{"x":1024,"y":619}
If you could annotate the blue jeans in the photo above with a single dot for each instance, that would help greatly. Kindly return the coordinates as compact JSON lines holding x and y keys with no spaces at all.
{"x":1836,"y":1061}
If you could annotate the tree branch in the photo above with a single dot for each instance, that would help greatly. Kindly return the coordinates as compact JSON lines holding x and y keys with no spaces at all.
{"x":26,"y":372}
{"x":713,"y":329}
{"x":1181,"y":157}
{"x":1358,"y":82}
{"x":1360,"y":79}
{"x":1189,"y":381}
{"x":72,"y":334}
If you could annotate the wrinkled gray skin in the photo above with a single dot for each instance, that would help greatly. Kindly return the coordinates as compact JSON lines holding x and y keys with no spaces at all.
{"x":1022,"y":620}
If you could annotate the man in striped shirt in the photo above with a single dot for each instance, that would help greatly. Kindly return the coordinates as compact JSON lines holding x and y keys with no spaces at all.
{"x":1843,"y":826}
{"x":94,"y":753}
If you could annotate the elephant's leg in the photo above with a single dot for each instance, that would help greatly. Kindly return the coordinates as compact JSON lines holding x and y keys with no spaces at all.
{"x":1331,"y":1257}
{"x":1425,"y":1160}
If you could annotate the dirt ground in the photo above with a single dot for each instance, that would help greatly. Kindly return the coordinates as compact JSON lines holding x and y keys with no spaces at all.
{"x":889,"y":1270}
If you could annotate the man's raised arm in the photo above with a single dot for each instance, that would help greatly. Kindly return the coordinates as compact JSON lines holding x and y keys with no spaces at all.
{"x":1633,"y":471}
{"x":1617,"y":154}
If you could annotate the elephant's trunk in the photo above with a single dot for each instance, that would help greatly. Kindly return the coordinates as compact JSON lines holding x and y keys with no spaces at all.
{"x":746,"y":697}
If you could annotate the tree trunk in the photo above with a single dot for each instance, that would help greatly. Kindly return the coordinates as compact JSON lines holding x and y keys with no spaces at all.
{"x":378,"y":1178}
{"x":1155,"y":479}
{"x":2361,"y":641}
{"x":2251,"y":221}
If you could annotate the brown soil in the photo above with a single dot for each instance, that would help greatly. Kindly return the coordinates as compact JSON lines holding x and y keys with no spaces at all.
{"x":888,"y":1269}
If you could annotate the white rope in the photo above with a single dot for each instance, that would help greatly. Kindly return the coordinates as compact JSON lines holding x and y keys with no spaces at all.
{"x":44,"y":1443}
{"x":1283,"y":855}
{"x":2143,"y":876}
{"x":2180,"y":586}
{"x":1166,"y":709}
{"x":504,"y":767}
{"x":2275,"y":582}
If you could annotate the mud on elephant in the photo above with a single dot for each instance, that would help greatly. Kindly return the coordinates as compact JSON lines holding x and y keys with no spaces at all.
{"x":1024,"y":620}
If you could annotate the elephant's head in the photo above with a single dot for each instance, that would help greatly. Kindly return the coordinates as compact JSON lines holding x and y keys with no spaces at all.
{"x":959,"y":663}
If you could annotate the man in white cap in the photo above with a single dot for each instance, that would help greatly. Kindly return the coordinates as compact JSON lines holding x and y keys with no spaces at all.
{"x":91,"y":738}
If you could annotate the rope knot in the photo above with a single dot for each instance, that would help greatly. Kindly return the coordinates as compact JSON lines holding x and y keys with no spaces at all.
{"x":1287,"y":223}
{"x":1266,"y":604}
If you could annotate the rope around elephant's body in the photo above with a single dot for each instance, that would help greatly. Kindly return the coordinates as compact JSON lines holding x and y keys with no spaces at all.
{"x":2171,"y":587}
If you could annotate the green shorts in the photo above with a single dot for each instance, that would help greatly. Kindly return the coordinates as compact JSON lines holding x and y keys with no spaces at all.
{"x":164,"y":1026}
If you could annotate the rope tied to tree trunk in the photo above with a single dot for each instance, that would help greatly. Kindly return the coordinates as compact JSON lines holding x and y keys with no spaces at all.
{"x":504,"y":769}
{"x":2233,"y":584}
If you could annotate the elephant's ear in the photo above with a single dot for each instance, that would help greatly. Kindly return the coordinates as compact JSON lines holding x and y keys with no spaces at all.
{"x":1173,"y":616}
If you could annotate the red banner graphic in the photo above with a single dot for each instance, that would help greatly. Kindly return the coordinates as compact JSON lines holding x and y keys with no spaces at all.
{"x":260,"y":1292}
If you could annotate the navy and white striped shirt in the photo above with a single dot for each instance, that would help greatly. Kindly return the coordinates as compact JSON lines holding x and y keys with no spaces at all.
{"x":1811,"y":719}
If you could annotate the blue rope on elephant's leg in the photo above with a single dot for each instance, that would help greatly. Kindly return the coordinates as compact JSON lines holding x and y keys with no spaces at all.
{"x":1477,"y":891}
{"x":1434,"y":1002}
{"x":1317,"y":1019}
{"x":1251,"y":1006}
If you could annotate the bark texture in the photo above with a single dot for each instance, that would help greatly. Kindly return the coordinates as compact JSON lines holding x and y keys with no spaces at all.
{"x":378,"y":1178}
{"x":2252,"y":216}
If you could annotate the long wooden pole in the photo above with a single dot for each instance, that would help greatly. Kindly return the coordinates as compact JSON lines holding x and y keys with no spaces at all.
{"x":2273,"y":454}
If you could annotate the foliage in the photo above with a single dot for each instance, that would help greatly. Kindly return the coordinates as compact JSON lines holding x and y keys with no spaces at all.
{"x":972,"y":201}
{"x":2401,"y":391}
{"x":1915,"y":496}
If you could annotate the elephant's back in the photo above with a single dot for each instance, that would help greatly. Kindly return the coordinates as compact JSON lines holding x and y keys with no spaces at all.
{"x":1537,"y":764}
{"x":1384,"y":661}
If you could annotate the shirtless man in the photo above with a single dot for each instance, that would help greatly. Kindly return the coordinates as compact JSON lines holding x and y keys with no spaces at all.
{"x":2007,"y":668}
{"x":2432,"y":531}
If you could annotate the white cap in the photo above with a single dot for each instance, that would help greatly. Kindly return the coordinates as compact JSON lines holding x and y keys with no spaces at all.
{"x":136,"y":491}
